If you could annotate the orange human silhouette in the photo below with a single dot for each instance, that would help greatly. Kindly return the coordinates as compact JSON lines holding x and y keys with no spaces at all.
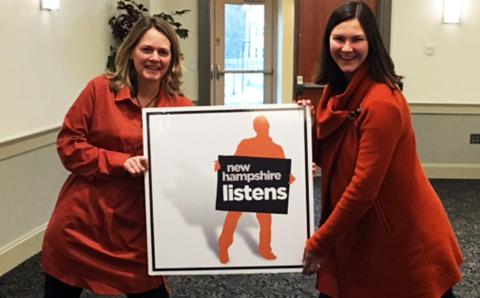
{"x":259,"y":146}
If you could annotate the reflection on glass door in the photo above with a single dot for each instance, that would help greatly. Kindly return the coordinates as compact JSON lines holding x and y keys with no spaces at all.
{"x":243,"y":43}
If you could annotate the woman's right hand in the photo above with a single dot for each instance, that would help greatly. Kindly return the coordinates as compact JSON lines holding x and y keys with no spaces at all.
{"x":310,"y":262}
{"x":136,"y":165}
{"x":304,"y":102}
{"x":315,"y":171}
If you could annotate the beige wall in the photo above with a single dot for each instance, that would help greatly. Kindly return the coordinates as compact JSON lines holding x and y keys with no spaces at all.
{"x":443,"y":136}
{"x":29,"y":184}
{"x":450,"y":74}
{"x":285,"y":33}
{"x":47,"y":58}
{"x":442,"y":88}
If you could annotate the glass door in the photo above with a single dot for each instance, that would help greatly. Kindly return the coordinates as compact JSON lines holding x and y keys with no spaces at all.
{"x":243,"y":57}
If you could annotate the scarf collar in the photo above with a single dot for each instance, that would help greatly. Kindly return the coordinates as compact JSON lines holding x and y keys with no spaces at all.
{"x":333,"y":110}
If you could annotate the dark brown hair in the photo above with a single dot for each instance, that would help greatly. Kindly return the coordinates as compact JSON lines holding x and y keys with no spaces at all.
{"x":380,"y":64}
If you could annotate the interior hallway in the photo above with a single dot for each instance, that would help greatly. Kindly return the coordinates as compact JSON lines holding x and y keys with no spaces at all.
{"x":460,"y":197}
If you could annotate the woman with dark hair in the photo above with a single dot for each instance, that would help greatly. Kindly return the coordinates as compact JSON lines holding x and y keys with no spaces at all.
{"x":96,"y":237}
{"x":383,"y":230}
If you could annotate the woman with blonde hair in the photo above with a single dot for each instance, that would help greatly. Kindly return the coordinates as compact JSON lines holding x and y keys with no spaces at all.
{"x":96,"y":237}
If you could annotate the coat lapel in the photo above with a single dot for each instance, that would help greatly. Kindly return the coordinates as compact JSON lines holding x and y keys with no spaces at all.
{"x":334,"y":115}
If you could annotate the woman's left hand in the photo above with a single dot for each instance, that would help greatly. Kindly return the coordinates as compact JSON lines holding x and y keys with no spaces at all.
{"x":304,"y":102}
{"x":311,"y":263}
{"x":307,"y":103}
{"x":136,"y":165}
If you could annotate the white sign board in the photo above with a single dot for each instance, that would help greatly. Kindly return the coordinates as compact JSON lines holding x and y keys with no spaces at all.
{"x":205,"y":162}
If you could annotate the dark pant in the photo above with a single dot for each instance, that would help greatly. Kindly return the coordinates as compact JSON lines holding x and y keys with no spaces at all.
{"x":448,"y":294}
{"x":55,"y":288}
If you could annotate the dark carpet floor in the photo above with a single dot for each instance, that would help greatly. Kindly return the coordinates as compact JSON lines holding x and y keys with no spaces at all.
{"x":460,"y":197}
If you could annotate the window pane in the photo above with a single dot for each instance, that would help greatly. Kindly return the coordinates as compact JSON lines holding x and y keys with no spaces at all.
{"x":244,"y":50}
{"x":244,"y":36}
{"x":243,"y":89}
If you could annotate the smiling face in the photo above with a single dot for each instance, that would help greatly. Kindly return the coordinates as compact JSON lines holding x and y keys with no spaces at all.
{"x":152,"y":56}
{"x":348,"y":46}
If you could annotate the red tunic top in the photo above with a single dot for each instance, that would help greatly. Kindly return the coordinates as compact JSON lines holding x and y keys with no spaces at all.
{"x":384,"y":231}
{"x":96,"y":237}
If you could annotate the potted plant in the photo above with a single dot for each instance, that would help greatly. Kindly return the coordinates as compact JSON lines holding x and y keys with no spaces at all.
{"x":128,"y":12}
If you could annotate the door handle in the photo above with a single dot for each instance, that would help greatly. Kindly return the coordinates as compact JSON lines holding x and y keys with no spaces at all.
{"x":218,"y":71}
{"x":299,"y":86}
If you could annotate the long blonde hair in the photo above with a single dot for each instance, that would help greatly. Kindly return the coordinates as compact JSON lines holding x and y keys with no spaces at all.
{"x":125,"y":73}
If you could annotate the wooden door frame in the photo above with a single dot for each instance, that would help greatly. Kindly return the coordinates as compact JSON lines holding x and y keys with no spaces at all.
{"x":205,"y":73}
{"x":384,"y":20}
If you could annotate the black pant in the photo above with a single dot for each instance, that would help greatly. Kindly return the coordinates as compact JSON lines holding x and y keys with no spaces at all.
{"x":448,"y":294}
{"x":55,"y":288}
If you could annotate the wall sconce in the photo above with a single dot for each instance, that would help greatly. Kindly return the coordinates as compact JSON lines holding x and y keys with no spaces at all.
{"x":451,"y":11}
{"x":49,"y":4}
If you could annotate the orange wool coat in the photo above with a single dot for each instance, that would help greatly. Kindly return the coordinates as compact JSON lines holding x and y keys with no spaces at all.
{"x":384,"y":231}
{"x":96,"y":237}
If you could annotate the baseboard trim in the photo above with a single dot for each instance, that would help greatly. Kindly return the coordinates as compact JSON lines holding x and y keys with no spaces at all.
{"x":452,"y":170}
{"x":14,"y":253}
